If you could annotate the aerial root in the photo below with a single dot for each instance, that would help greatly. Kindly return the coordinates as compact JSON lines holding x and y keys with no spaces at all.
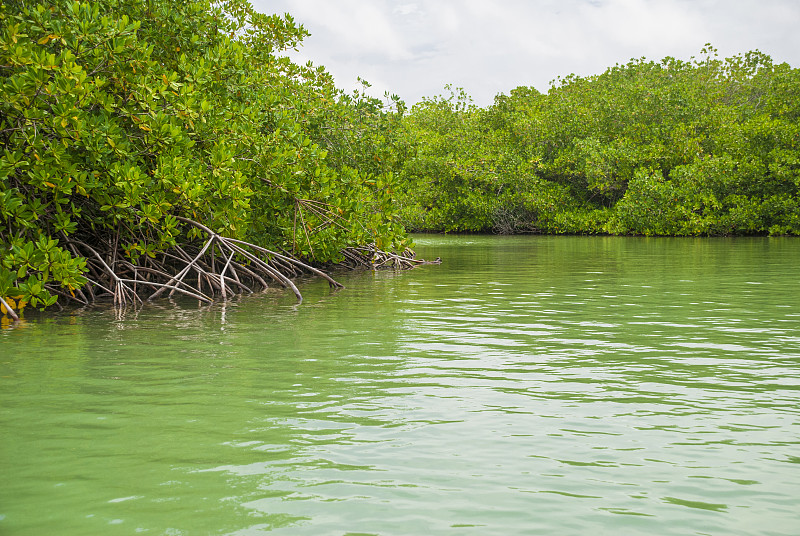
{"x":219,"y":268}
{"x":9,"y":309}
{"x":372,"y":258}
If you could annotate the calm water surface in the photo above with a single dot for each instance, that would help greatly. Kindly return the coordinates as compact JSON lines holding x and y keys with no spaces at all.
{"x":528,"y":385}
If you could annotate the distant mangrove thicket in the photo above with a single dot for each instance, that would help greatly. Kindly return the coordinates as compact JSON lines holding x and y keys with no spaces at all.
{"x":704,"y":147}
{"x":171,"y":146}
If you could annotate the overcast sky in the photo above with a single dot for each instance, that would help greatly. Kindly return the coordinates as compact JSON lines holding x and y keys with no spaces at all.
{"x":413,"y":48}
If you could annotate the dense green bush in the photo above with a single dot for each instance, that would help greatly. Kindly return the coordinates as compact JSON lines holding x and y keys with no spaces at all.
{"x":118,"y":118}
{"x":705,"y":147}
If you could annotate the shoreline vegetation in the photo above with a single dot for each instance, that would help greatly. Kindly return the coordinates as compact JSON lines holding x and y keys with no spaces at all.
{"x":157,"y":147}
{"x":705,"y":147}
{"x":148,"y":143}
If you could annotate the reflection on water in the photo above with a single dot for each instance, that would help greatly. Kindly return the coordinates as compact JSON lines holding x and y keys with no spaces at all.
{"x":527,"y":385}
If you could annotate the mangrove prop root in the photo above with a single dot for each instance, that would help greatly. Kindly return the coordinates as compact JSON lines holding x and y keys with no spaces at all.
{"x":373,"y":258}
{"x":10,"y":310}
{"x":216,"y":267}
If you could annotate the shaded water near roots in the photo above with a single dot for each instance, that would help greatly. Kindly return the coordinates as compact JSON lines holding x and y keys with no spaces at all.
{"x":528,"y":385}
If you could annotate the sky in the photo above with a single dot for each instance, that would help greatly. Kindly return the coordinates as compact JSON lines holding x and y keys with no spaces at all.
{"x":487,"y":47}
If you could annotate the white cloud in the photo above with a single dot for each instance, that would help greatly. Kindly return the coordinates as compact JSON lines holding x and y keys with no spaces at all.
{"x":406,"y":9}
{"x":352,"y":26}
{"x":415,"y":48}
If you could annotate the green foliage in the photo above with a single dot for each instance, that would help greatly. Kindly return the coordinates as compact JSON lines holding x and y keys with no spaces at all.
{"x":461,"y":177}
{"x":705,"y":147}
{"x":116,"y":117}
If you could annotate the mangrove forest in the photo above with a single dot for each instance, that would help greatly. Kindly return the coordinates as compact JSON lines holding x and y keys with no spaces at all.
{"x":160,"y":147}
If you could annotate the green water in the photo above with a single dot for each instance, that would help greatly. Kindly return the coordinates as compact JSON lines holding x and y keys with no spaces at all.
{"x":528,"y":385}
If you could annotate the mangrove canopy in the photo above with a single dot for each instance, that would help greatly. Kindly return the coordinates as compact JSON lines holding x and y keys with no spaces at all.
{"x":702,"y":147}
{"x":147,"y":144}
